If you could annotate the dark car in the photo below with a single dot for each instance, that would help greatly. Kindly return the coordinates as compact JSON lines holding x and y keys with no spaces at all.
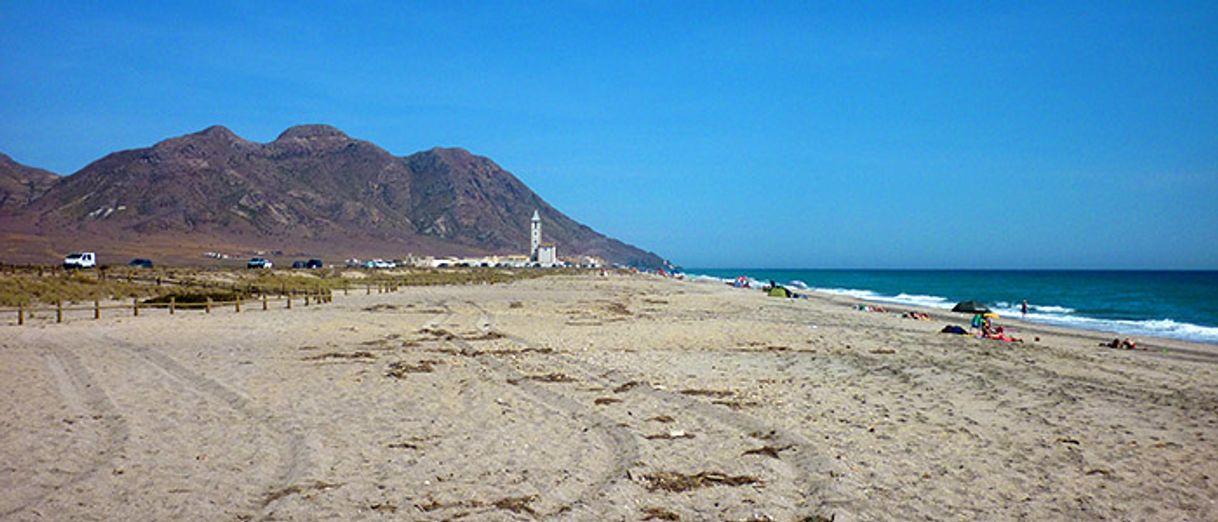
{"x":140,"y":262}
{"x":314,"y":263}
{"x":258,"y":262}
{"x":298,"y":264}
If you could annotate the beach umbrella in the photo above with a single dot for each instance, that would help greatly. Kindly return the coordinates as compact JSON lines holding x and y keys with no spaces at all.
{"x":971,"y":307}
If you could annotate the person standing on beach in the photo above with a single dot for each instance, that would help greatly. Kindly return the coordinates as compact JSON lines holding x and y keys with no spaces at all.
{"x":1023,"y":309}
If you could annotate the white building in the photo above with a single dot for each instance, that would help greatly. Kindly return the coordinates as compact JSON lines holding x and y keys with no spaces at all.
{"x":547,"y":254}
{"x":543,"y":254}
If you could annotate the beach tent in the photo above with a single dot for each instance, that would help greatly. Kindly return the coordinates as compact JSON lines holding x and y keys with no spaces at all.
{"x":779,"y":291}
{"x":971,"y":307}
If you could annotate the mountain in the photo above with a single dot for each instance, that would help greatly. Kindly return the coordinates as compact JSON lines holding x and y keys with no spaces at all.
{"x":19,"y":184}
{"x":312,"y":191}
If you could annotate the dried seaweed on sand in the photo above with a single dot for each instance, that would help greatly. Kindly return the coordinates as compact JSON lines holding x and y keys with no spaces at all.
{"x":340,"y":355}
{"x":399,"y":369}
{"x":678,"y":482}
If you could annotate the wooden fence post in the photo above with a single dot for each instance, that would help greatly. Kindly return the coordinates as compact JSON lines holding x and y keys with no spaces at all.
{"x":345,"y":285}
{"x":59,"y":311}
{"x":368,"y":287}
{"x":96,"y":309}
{"x":20,"y":314}
{"x":289,"y":301}
{"x":172,"y":302}
{"x":237,"y":305}
{"x":263,"y":302}
{"x":208,"y":305}
{"x":135,"y":306}
{"x":306,"y":296}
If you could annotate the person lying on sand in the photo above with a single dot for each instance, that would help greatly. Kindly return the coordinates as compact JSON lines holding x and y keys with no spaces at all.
{"x":1000,"y":335}
{"x":920,"y":316}
{"x":1123,"y":344}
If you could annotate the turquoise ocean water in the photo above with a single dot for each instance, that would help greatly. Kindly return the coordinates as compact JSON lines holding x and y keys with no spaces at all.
{"x":1172,"y":304}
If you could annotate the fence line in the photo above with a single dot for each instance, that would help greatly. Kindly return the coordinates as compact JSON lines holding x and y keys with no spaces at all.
{"x":308,"y":297}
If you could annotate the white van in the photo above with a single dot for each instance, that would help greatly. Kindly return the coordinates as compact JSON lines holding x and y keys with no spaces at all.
{"x":80,"y":260}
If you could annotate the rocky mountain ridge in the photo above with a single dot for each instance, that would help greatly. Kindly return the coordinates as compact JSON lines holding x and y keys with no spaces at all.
{"x":312,"y":190}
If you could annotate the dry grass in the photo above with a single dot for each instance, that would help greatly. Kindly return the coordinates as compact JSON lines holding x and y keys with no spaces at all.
{"x":33,"y":284}
{"x":75,"y":287}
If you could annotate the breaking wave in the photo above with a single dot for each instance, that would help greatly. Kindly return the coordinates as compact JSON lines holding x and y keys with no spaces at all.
{"x":1054,"y":315}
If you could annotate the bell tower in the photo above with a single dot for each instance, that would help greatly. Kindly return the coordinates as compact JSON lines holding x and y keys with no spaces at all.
{"x":535,"y":236}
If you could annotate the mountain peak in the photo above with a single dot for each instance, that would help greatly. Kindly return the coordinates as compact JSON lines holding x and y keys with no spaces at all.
{"x":218,"y":131}
{"x":312,"y":132}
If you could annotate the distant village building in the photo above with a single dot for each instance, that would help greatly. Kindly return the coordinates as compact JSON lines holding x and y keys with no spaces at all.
{"x":547,"y":254}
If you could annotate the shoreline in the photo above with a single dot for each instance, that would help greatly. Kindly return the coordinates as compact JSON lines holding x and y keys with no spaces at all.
{"x":890,"y":303}
{"x":1018,"y":327}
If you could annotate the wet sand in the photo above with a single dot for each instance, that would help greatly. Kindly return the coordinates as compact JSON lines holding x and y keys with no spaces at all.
{"x":588,"y":398}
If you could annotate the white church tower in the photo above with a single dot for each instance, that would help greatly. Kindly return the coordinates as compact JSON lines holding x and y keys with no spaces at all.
{"x":540,"y":253}
{"x":535,"y":236}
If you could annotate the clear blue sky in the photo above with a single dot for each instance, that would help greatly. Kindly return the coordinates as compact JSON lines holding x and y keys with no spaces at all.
{"x":801,"y":134}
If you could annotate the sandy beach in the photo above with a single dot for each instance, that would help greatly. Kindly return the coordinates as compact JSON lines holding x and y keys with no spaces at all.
{"x":597,"y":398}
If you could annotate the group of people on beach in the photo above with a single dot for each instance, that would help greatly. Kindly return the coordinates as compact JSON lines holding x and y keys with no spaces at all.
{"x":1121,"y":344}
{"x":987,"y":330}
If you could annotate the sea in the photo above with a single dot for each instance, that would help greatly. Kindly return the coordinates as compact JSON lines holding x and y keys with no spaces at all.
{"x":1170,"y":304}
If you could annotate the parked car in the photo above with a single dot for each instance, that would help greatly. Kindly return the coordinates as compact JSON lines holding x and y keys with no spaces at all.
{"x":80,"y":260}
{"x":380,"y":263}
{"x":315,"y":263}
{"x":140,"y":262}
{"x":298,"y":264}
{"x":259,"y":262}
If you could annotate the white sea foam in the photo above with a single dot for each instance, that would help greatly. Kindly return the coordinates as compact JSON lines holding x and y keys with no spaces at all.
{"x":1052,"y":315}
{"x":930,"y":301}
{"x":706,"y":279}
{"x":1151,"y":327}
{"x":850,"y":292}
{"x":1065,"y":317}
{"x":1050,"y":309}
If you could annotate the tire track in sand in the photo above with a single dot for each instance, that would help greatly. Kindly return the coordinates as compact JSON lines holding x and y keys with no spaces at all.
{"x":81,"y":393}
{"x":622,"y":445}
{"x":294,"y":453}
{"x":806,"y":465}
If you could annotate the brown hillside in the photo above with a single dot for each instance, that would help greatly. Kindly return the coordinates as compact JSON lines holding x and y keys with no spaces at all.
{"x":313,"y":190}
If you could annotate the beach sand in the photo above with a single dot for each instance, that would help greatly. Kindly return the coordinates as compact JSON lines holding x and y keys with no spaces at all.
{"x":596,"y":398}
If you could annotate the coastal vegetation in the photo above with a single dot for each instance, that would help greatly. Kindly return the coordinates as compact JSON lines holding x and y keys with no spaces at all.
{"x":29,"y":285}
